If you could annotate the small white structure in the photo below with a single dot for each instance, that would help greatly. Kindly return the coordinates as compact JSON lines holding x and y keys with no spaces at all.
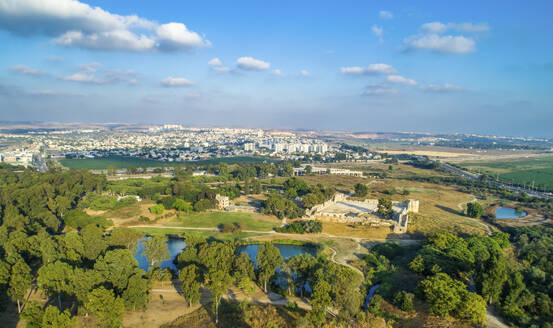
{"x":223,"y":202}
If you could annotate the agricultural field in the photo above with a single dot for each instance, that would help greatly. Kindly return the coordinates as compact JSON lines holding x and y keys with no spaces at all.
{"x":535,"y":171}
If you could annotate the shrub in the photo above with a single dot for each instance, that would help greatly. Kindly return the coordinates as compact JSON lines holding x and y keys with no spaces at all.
{"x":157,"y":209}
{"x":404,"y":301}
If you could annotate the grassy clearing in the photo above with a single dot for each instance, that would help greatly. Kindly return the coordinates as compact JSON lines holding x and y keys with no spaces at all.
{"x":196,"y":233}
{"x":122,"y":162}
{"x":103,"y":163}
{"x":247,"y":221}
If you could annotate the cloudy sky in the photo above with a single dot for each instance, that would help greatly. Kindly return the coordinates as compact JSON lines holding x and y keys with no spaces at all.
{"x":435,"y":66}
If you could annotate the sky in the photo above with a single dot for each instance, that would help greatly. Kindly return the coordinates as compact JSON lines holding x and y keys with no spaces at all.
{"x":421,"y":66}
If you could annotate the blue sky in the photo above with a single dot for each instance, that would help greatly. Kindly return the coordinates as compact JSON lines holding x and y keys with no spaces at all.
{"x":434,"y":66}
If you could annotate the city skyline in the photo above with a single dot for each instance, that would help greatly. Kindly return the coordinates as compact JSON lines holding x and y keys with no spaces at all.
{"x":432,"y":67}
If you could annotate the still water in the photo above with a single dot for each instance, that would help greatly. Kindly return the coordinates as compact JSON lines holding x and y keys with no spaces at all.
{"x":508,"y":213}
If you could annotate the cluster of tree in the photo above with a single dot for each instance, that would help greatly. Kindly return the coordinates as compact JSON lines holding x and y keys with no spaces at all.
{"x":475,"y":210}
{"x":361,"y":190}
{"x":522,"y":289}
{"x":385,"y":209}
{"x":281,"y":207}
{"x":303,"y":226}
{"x":87,"y":271}
{"x":100,"y":202}
{"x":310,"y":195}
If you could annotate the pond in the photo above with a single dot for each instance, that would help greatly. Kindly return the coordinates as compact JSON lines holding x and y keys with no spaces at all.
{"x":176,"y":245}
{"x":508,"y":213}
{"x":286,"y":251}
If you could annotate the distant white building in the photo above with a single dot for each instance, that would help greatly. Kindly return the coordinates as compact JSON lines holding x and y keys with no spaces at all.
{"x":249,"y":146}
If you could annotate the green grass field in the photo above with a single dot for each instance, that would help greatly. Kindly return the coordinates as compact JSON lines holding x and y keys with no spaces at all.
{"x":213,"y":219}
{"x":125,"y":162}
{"x":538,"y":171}
{"x":103,"y":163}
{"x":197,"y":233}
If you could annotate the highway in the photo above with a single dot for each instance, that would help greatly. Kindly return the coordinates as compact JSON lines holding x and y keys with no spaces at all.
{"x":500,"y":184}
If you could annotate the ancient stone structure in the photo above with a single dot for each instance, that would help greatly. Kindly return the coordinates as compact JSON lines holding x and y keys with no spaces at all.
{"x":343,"y":210}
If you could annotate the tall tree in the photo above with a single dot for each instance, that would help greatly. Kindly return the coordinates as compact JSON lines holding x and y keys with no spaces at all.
{"x":55,"y":279}
{"x":218,"y":281}
{"x":20,"y":282}
{"x":156,"y":251}
{"x":190,"y":283}
{"x":268,"y":260}
{"x":53,"y":318}
{"x":107,"y":308}
{"x":320,"y":301}
{"x":93,"y":241}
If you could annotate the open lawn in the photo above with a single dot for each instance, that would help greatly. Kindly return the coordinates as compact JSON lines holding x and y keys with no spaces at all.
{"x":247,"y":221}
{"x":196,"y":233}
{"x":537,"y":171}
{"x":103,"y":163}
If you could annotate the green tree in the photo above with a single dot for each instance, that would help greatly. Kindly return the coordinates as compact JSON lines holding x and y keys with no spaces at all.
{"x":55,"y":279}
{"x":475,"y":210}
{"x":157,"y":209}
{"x":442,"y":293}
{"x":268,"y":260}
{"x":190,"y":284}
{"x":116,"y":267}
{"x":135,"y":295}
{"x":404,"y":300}
{"x":472,"y":308}
{"x":107,"y":308}
{"x":182,"y":206}
{"x":303,"y":266}
{"x":320,"y":301}
{"x":20,"y":282}
{"x":361,"y":190}
{"x":125,"y":237}
{"x":287,"y":169}
{"x":93,"y":241}
{"x":243,"y":271}
{"x":53,"y":318}
{"x":156,"y":251}
{"x":218,"y":282}
{"x":385,"y":208}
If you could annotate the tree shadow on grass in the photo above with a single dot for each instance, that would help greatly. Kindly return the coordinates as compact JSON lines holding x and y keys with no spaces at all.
{"x":450,"y":210}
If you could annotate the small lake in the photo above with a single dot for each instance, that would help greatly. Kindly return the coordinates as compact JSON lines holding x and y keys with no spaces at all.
{"x":176,"y":245}
{"x":508,"y":213}
{"x":286,"y":251}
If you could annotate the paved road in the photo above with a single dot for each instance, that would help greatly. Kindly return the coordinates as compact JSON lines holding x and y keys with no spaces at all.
{"x":469,"y":176}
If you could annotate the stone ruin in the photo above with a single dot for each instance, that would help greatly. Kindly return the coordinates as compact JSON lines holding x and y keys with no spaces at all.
{"x":341,"y":209}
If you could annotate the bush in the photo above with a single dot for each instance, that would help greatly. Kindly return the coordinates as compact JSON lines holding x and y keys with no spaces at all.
{"x":361,"y":190}
{"x":404,"y":301}
{"x":157,"y":209}
{"x":143,"y":219}
{"x":475,"y":210}
{"x":230,"y":227}
{"x":301,"y":227}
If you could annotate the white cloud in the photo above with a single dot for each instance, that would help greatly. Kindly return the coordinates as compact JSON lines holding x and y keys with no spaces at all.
{"x":76,"y":24}
{"x":434,"y":27}
{"x":384,"y":14}
{"x":401,"y":80}
{"x":176,"y":82}
{"x":215,"y":62}
{"x":252,"y":64}
{"x":176,"y":36}
{"x":441,"y":44}
{"x":379,"y":89}
{"x":25,"y":70}
{"x":276,"y":72}
{"x":372,"y":69}
{"x":221,"y":69}
{"x":88,"y":74}
{"x":438,"y":27}
{"x":443,"y":88}
{"x":304,"y":72}
{"x":377,"y":30}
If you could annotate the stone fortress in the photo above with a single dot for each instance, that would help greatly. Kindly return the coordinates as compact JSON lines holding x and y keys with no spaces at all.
{"x":343,"y":210}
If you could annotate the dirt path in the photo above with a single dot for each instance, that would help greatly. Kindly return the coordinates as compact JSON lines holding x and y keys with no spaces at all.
{"x":460,"y":205}
{"x":344,"y":263}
